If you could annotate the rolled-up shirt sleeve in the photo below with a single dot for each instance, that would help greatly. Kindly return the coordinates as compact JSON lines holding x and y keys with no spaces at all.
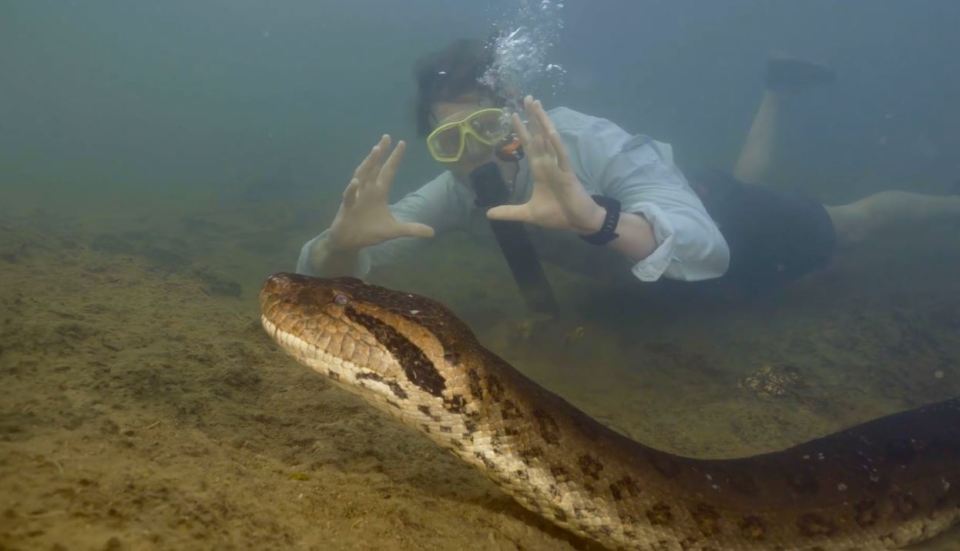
{"x":442,"y":204}
{"x":639,"y":172}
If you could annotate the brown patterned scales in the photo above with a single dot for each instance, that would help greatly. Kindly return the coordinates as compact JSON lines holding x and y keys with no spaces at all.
{"x":879,"y":485}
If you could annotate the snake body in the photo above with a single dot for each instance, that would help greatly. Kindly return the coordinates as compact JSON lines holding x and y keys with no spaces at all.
{"x":880,"y":485}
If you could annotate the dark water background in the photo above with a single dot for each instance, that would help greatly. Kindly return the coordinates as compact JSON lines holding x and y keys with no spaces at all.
{"x":130,"y":101}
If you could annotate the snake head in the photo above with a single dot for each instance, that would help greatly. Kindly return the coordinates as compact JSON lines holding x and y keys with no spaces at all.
{"x":288,"y":299}
{"x":304,"y":295}
{"x":364,"y":331}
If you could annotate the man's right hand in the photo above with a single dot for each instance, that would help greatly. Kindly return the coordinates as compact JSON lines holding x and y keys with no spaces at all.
{"x":364,"y":218}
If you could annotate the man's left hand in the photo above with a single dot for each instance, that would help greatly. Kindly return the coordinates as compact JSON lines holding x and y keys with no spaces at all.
{"x":559,"y":200}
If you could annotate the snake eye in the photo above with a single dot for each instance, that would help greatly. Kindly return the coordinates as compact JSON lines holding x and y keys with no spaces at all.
{"x":341,"y":299}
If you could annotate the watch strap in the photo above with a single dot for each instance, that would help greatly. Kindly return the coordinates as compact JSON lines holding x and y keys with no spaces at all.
{"x":606,"y":232}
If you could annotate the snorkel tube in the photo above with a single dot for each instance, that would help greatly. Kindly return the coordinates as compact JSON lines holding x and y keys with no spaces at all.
{"x":514,"y":242}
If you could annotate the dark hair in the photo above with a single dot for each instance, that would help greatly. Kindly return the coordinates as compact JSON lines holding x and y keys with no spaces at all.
{"x":451,"y":73}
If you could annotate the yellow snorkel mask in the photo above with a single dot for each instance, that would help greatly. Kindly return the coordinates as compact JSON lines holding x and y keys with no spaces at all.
{"x":490,"y":127}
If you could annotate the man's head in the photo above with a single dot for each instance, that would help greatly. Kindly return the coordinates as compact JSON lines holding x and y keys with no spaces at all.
{"x":452,"y":85}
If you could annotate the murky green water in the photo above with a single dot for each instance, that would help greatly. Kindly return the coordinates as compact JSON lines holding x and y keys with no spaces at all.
{"x":158,"y":161}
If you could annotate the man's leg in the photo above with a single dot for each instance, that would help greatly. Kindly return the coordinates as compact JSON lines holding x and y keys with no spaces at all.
{"x":783,"y":76}
{"x":858,"y":220}
{"x":756,"y":155}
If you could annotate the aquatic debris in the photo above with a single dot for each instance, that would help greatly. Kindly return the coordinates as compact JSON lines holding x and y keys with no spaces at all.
{"x":771,"y":382}
{"x":574,"y":334}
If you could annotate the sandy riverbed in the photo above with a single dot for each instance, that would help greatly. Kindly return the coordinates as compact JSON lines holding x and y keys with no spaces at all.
{"x":142,"y":407}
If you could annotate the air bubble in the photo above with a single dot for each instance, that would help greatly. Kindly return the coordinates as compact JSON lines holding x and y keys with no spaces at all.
{"x":520,"y":50}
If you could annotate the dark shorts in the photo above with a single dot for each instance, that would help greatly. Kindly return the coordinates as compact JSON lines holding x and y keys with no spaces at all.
{"x":774,"y":236}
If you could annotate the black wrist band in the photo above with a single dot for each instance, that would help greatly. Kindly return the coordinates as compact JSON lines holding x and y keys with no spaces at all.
{"x":606,"y":232}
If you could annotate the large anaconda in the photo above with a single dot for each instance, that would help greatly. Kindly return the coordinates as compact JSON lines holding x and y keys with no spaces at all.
{"x":879,"y":485}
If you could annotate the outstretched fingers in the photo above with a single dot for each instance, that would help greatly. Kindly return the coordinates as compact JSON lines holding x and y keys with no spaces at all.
{"x":534,"y":127}
{"x":370,"y":166}
{"x":350,"y":193}
{"x":521,"y":131}
{"x":552,"y":137}
{"x":389,"y":170}
{"x":514,"y":213}
{"x":413,"y":229}
{"x":539,"y":136}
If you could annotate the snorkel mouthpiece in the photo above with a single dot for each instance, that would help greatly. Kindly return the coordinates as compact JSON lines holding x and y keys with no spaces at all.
{"x":511,"y":150}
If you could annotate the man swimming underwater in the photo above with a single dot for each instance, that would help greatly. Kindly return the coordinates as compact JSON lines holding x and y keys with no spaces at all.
{"x":596,"y":197}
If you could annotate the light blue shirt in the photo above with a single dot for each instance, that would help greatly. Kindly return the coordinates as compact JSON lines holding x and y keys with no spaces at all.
{"x":636,"y":170}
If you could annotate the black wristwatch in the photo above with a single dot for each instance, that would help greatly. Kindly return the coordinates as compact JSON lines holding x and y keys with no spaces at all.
{"x":606,"y":232}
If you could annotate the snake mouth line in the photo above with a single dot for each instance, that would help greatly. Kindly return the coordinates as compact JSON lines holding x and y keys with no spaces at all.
{"x":380,"y":390}
{"x":305,"y":352}
{"x":290,"y":342}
